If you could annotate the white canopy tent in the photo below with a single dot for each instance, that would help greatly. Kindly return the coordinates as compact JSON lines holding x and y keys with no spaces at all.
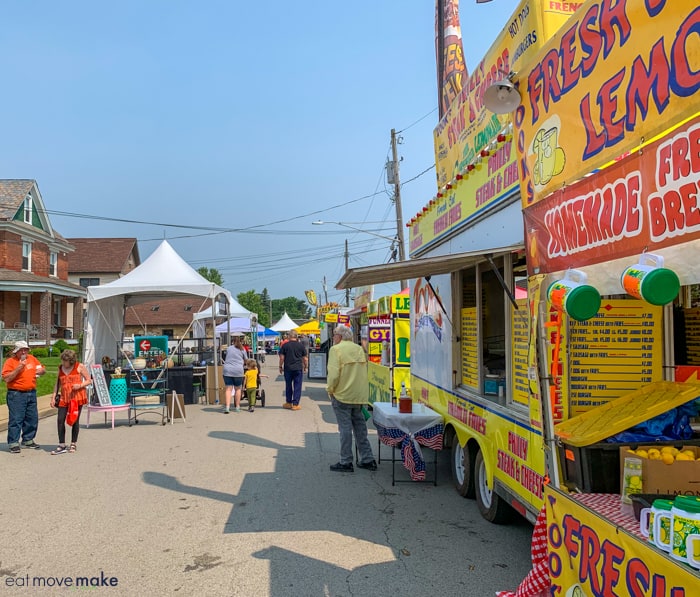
{"x":285,"y":324}
{"x":163,"y":274}
{"x":233,"y":310}
{"x":237,"y":325}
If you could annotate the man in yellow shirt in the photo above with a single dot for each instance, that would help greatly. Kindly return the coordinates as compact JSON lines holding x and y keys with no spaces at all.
{"x":348,"y":387}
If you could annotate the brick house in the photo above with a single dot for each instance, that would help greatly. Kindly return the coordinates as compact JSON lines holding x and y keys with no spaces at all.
{"x":35,"y":292}
{"x":166,"y":317}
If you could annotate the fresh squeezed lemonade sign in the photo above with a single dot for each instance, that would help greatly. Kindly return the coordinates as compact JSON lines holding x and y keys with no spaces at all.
{"x":619,"y":72}
{"x":589,"y":552}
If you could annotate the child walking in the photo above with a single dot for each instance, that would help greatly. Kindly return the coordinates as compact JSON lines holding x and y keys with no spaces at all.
{"x":251,"y":382}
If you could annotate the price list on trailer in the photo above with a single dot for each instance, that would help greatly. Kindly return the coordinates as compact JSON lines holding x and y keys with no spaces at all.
{"x":614,"y":353}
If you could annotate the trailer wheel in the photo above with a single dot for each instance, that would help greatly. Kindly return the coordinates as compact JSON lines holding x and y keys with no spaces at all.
{"x":463,"y":469}
{"x":491,"y":506}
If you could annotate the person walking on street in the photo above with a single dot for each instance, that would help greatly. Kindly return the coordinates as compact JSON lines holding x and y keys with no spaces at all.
{"x":20,"y":372}
{"x":234,"y":366}
{"x":294,"y":361}
{"x":348,"y":388}
{"x":252,"y":379}
{"x":71,"y":383}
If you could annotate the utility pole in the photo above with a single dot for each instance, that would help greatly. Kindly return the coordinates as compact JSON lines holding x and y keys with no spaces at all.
{"x":397,"y":202}
{"x":347,"y":266}
{"x":325,"y":290}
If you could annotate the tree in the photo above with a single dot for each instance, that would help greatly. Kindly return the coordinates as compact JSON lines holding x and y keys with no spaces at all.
{"x":270,"y":310}
{"x":251,"y":301}
{"x":295,"y":308}
{"x":211,"y":274}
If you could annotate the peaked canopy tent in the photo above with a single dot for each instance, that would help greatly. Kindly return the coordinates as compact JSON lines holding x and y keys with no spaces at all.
{"x":163,"y":275}
{"x":285,"y":324}
{"x":233,"y":309}
{"x":238,"y":325}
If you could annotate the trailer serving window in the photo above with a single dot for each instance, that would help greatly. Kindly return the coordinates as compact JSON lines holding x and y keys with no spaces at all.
{"x":486,"y":316}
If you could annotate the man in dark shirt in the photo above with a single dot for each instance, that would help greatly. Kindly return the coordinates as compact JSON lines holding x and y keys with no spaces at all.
{"x":294,"y":362}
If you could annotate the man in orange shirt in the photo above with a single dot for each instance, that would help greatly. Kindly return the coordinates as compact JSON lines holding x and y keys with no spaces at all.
{"x":19,"y":373}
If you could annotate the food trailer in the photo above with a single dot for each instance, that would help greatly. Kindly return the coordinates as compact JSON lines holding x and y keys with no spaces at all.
{"x":388,"y":347}
{"x":555,"y":290}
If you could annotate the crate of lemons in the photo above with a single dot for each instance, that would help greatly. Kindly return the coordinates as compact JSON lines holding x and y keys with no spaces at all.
{"x":666,"y":454}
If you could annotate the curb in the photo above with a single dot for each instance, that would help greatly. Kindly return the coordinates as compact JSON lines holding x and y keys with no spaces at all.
{"x":43,"y":404}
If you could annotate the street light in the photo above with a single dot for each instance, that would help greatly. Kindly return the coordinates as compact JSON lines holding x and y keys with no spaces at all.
{"x":321,"y":223}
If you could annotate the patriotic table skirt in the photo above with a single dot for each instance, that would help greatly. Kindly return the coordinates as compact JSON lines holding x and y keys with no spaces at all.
{"x":409,"y":445}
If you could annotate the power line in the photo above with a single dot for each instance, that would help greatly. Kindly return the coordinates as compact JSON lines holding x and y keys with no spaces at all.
{"x":417,"y":121}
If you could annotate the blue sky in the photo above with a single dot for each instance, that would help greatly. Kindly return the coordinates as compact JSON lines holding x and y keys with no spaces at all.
{"x":228,"y":127}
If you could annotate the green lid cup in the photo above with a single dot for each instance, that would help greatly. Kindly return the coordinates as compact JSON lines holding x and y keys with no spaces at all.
{"x":574,"y":297}
{"x":650,"y":281}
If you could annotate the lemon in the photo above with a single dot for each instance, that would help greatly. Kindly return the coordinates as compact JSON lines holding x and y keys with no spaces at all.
{"x":683,"y":456}
{"x":670,"y":450}
{"x":642,"y":453}
{"x":689,"y":453}
{"x":635,"y":483}
{"x":667,"y":458}
{"x":654,"y":454}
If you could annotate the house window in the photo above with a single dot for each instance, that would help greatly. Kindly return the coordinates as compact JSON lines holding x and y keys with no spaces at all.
{"x":28,"y":209}
{"x":53,"y":264}
{"x":85,"y":282}
{"x":25,"y":303}
{"x":27,"y":257}
{"x":56,"y":316}
{"x":168,"y":333}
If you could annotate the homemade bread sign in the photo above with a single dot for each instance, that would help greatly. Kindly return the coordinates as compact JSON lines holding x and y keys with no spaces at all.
{"x":648,"y":201}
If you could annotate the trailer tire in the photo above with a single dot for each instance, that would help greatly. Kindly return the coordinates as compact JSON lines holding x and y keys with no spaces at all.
{"x":463,"y":469}
{"x":491,"y":505}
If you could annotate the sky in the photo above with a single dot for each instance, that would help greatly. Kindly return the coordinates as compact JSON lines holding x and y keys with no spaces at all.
{"x":227,"y":128}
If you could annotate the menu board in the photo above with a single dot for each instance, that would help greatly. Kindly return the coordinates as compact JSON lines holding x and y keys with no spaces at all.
{"x":614,"y":353}
{"x":100,"y":384}
{"x":470,"y":348}
{"x":692,"y":335}
{"x":317,"y":365}
{"x":520,"y":392}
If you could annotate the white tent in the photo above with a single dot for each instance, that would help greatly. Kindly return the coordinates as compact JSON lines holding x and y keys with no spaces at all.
{"x":234,"y":309}
{"x":285,"y":324}
{"x":237,"y":325}
{"x":163,"y":275}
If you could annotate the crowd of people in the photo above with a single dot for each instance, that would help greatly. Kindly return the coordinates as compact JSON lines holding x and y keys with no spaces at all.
{"x":346,"y":384}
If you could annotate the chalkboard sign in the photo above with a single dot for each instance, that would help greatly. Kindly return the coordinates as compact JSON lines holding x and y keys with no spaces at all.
{"x":100,"y":384}
{"x":317,"y":365}
{"x":9,"y":336}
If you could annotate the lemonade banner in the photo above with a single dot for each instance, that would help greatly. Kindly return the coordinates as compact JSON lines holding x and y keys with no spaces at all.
{"x":617,"y":74}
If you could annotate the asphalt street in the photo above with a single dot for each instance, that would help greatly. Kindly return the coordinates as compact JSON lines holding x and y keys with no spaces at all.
{"x":240,"y":504}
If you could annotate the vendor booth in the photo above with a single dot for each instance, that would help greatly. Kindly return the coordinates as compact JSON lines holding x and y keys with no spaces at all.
{"x":285,"y":324}
{"x":388,"y":346}
{"x":163,"y":274}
